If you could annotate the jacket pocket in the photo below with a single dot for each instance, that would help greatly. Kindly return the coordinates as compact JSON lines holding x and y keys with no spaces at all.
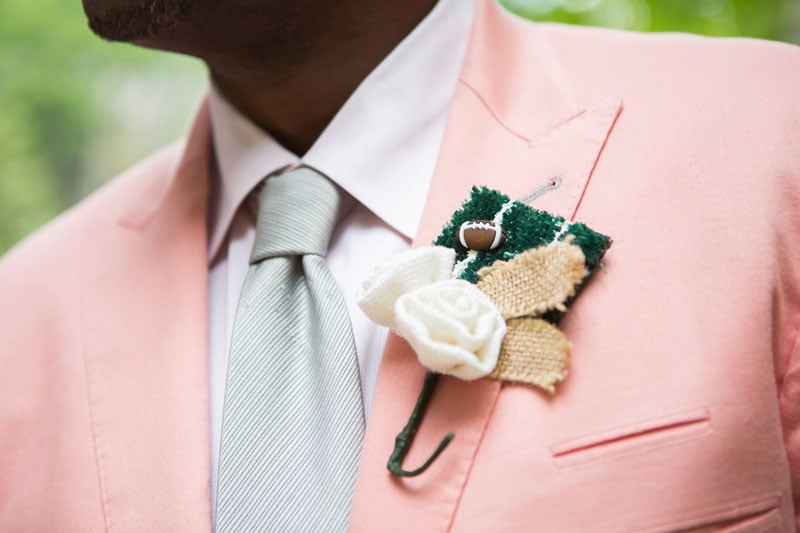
{"x":752,"y":516}
{"x":632,"y":439}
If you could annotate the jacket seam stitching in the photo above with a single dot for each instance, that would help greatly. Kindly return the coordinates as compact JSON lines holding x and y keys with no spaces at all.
{"x":92,"y":407}
{"x":792,"y":357}
{"x":477,"y":448}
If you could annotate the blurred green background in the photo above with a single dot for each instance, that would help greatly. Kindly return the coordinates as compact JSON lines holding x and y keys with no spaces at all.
{"x":75,"y":110}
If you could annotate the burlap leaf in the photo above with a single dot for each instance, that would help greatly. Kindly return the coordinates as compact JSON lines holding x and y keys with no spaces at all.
{"x":535,"y":281}
{"x":533,"y":352}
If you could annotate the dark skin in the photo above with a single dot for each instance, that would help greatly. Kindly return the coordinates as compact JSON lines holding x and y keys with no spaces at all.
{"x":287,"y":65}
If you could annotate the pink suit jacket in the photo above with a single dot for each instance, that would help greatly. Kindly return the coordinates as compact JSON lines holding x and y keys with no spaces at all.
{"x":682,"y":407}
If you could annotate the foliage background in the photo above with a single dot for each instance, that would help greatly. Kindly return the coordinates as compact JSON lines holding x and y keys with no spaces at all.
{"x":75,"y":110}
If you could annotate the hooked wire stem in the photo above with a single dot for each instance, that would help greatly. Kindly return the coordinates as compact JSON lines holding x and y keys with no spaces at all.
{"x":405,"y":438}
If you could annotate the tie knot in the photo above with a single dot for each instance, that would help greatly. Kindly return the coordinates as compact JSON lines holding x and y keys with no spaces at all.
{"x":296,"y":214}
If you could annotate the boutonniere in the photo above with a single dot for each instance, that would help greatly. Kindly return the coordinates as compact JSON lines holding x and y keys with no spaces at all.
{"x":484,"y":301}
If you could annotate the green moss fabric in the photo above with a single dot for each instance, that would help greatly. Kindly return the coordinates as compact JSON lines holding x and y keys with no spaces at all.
{"x":525,"y":228}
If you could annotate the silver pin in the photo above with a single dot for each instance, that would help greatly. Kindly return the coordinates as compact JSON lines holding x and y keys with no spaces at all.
{"x":550,"y":185}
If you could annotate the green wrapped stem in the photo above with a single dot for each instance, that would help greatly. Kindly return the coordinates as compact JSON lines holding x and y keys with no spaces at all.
{"x":405,"y":438}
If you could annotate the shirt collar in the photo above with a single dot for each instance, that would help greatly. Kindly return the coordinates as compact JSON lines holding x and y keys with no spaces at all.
{"x":382,"y":145}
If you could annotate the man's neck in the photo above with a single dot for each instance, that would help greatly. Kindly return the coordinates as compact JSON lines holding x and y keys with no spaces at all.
{"x":293,"y":88}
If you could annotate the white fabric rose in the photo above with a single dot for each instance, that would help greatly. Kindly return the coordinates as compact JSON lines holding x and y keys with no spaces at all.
{"x":453,"y":327}
{"x":403,"y":273}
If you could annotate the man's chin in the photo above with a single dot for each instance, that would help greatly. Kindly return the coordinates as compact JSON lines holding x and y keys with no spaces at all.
{"x":135,"y":21}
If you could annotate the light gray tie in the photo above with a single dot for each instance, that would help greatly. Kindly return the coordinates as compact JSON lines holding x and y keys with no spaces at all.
{"x":293,"y":420}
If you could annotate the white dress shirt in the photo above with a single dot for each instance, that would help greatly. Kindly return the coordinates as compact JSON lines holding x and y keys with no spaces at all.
{"x":381,"y":148}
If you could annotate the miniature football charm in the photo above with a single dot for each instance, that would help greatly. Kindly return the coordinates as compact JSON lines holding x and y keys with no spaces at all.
{"x":481,"y":235}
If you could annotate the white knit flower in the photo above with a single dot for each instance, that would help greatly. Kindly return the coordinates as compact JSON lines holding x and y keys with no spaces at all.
{"x":403,"y":273}
{"x":453,"y":327}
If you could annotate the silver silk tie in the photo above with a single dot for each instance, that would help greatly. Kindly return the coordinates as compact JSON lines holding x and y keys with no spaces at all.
{"x":293,"y":420}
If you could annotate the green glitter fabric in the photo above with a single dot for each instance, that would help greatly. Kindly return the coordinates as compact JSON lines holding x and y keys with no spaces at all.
{"x":525,"y":228}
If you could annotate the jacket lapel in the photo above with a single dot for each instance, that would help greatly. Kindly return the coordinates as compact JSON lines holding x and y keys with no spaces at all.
{"x":144,"y":311}
{"x":515,"y":122}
